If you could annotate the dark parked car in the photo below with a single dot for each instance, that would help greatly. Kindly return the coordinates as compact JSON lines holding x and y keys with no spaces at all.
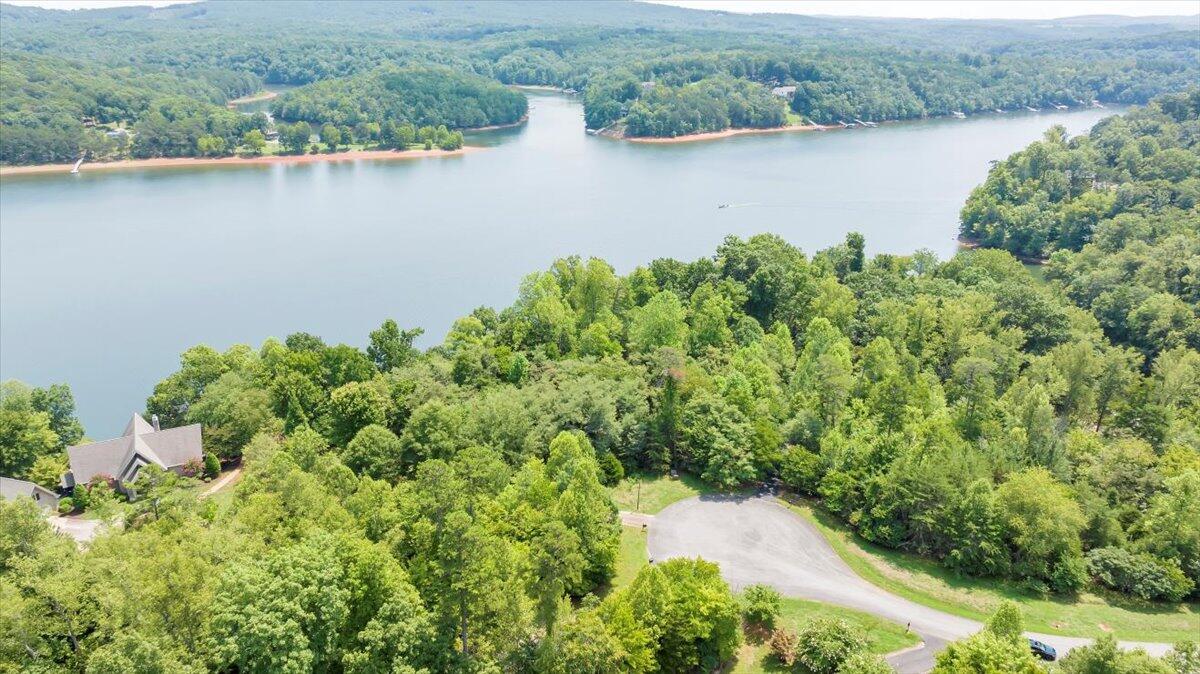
{"x":1043,"y":651}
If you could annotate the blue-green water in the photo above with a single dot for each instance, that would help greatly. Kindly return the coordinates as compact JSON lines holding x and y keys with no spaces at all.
{"x":106,"y":277}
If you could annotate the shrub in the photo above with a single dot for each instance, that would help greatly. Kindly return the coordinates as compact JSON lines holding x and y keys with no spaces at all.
{"x":865,"y":663}
{"x":81,"y":496}
{"x":986,"y":651}
{"x":1106,"y":657}
{"x":192,"y":468}
{"x":1184,"y":657}
{"x":1006,"y":621}
{"x":212,"y":465}
{"x":783,"y":646}
{"x":101,"y":492}
{"x":760,"y":605}
{"x":1069,"y":574}
{"x":66,"y":505}
{"x":1139,"y":574}
{"x":611,"y":470}
{"x":825,"y":643}
{"x":801,"y":470}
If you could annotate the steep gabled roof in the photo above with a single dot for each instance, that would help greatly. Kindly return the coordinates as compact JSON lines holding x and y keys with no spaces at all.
{"x":11,"y":488}
{"x":175,"y":446}
{"x":98,"y":458}
{"x":137,"y":426}
{"x":141,"y":445}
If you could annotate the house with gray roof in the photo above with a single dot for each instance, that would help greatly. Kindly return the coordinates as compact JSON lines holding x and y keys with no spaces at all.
{"x":12,"y":488}
{"x":141,"y":444}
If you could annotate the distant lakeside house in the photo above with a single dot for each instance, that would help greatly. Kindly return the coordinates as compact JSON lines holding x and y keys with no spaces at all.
{"x":784,"y":92}
{"x":141,"y":444}
{"x":12,"y":488}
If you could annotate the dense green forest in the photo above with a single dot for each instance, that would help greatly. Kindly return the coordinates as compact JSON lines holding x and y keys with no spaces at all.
{"x":380,"y":61}
{"x":410,"y":510}
{"x":52,"y":109}
{"x":848,"y":82}
{"x":710,"y":104}
{"x":1118,"y":212}
{"x":431,"y":510}
{"x":416,"y":96}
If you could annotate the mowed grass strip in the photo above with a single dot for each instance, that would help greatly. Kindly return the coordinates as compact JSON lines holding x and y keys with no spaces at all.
{"x":927,"y":582}
{"x":657,"y":491}
{"x":631,"y":556}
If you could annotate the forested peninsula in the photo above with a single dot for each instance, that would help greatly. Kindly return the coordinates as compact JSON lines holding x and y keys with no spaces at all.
{"x":144,"y":83}
{"x":1117,"y":211}
{"x":446,"y":510}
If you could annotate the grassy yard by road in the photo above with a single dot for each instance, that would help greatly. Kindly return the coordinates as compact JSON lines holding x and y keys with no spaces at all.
{"x":926,"y":582}
{"x":631,"y":556}
{"x":885,"y":637}
{"x":656,"y":491}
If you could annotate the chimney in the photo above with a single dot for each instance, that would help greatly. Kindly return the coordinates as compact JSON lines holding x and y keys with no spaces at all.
{"x":154,"y":422}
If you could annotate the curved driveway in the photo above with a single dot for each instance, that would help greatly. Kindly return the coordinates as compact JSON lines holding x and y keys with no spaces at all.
{"x":758,"y":540}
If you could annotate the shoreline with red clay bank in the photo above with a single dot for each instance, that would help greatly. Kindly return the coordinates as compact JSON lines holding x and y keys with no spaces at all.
{"x":187,"y":162}
{"x":252,"y":98}
{"x":713,"y":135}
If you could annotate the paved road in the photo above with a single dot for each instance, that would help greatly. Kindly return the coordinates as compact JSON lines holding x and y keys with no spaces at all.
{"x":632,"y":519}
{"x":758,"y":540}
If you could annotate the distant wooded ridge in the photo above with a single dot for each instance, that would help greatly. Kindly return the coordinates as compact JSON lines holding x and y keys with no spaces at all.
{"x":72,"y":80}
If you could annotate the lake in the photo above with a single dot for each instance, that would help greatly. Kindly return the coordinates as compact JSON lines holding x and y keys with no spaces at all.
{"x":105,"y":277}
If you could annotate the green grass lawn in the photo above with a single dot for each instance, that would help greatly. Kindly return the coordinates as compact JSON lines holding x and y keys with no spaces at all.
{"x":885,"y":637}
{"x":656,"y":491}
{"x":1037,"y":271}
{"x":926,"y":582}
{"x":631,"y":556}
{"x":794,"y":119}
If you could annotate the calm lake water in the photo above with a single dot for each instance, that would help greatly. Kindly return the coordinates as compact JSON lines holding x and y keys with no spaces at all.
{"x":106,"y":277}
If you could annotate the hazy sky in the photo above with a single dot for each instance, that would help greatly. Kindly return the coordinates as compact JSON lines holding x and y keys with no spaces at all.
{"x":925,"y":9}
{"x":92,"y":4}
{"x":939,"y":9}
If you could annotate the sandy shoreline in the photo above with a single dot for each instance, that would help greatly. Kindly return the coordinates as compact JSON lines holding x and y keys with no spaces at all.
{"x":253,"y":98}
{"x":185,"y":162}
{"x":713,"y":135}
{"x":538,"y":87}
